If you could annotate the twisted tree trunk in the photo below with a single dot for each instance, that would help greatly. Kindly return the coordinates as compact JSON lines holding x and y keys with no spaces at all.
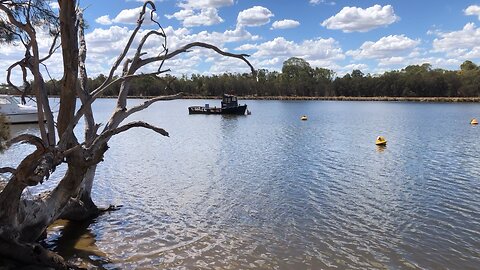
{"x":23,"y":220}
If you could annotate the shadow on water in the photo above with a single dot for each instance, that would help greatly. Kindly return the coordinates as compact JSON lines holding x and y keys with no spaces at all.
{"x":76,"y":242}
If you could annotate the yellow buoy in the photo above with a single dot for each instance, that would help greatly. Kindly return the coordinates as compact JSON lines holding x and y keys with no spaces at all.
{"x":303,"y":118}
{"x":474,"y":121}
{"x":380,"y":141}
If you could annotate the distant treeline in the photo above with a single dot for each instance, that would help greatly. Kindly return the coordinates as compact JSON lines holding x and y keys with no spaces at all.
{"x":298,"y":78}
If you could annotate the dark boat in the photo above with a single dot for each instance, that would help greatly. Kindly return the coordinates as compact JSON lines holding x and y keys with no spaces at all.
{"x":229,"y":106}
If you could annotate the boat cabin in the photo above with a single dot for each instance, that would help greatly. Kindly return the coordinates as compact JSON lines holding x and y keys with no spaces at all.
{"x":15,"y":112}
{"x":229,"y":101}
{"x":9,"y":104}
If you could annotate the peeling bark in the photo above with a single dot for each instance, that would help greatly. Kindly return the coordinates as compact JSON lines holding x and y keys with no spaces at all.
{"x":70,"y":67}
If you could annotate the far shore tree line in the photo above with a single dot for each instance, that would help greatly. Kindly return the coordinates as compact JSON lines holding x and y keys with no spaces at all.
{"x":298,"y":78}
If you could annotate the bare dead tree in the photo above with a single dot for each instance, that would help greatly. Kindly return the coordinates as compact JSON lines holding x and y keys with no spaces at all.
{"x":22,"y":220}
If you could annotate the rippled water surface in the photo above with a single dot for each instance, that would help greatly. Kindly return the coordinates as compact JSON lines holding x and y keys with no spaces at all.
{"x":268,"y":191}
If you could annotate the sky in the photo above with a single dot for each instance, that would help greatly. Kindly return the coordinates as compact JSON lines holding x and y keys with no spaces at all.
{"x":342,"y":35}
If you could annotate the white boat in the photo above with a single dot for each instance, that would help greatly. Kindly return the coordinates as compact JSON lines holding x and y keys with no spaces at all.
{"x":15,"y":112}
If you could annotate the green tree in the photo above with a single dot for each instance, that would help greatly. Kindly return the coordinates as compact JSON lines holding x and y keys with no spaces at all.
{"x":298,"y":76}
{"x":468,"y":66}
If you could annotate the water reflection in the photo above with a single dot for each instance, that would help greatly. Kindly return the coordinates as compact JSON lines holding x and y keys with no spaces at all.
{"x":77,"y":242}
{"x":268,"y":191}
{"x":381,"y":148}
{"x":18,"y":129}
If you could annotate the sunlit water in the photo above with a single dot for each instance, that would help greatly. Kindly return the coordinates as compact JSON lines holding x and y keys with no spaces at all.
{"x":268,"y":191}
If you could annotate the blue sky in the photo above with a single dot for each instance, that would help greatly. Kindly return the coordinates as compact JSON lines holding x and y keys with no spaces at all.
{"x":373,"y":36}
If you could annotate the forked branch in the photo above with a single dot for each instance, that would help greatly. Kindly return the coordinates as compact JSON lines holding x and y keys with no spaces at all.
{"x":122,"y":55}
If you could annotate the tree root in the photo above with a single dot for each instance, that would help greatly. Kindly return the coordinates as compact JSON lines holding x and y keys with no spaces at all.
{"x":80,"y":209}
{"x":111,"y":208}
{"x":32,"y":254}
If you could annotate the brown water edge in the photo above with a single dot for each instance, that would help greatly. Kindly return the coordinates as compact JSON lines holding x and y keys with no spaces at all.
{"x":76,"y":242}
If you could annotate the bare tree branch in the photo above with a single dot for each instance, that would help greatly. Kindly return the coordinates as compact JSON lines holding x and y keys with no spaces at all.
{"x":131,"y":66}
{"x":149,"y":102}
{"x":144,"y":39}
{"x":7,"y":170}
{"x":28,"y":138}
{"x":83,"y":92}
{"x":202,"y":45}
{"x":12,"y":18}
{"x":53,"y":48}
{"x":108,"y":81}
{"x":127,"y":47}
{"x":26,"y":85}
{"x":9,"y":74}
{"x":119,"y":116}
{"x":109,"y":133}
{"x":42,"y":98}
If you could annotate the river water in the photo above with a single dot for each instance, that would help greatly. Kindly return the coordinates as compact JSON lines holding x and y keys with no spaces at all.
{"x":268,"y":191}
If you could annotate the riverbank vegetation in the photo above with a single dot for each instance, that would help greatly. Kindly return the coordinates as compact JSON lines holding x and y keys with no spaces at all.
{"x":299,"y":79}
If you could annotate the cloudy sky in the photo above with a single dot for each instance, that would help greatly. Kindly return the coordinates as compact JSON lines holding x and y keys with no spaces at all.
{"x":342,"y":35}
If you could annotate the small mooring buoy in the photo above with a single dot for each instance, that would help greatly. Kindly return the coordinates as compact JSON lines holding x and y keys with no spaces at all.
{"x":381,"y":141}
{"x":303,"y":118}
{"x":474,"y":121}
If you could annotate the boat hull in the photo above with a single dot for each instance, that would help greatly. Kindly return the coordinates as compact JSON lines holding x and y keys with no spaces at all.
{"x":17,"y":113}
{"x":22,"y":118}
{"x":239,"y":110}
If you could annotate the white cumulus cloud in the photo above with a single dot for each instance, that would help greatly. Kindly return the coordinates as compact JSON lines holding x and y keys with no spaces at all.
{"x":285,"y":24}
{"x":246,"y":47}
{"x":189,"y":17}
{"x":317,"y":2}
{"x":127,"y":16}
{"x":389,"y":46}
{"x":106,"y":44}
{"x":104,"y":20}
{"x":199,"y":12}
{"x":255,"y":16}
{"x":54,"y":5}
{"x":318,"y":52}
{"x":463,"y":43}
{"x":199,"y":4}
{"x":354,"y":19}
{"x":473,"y":10}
